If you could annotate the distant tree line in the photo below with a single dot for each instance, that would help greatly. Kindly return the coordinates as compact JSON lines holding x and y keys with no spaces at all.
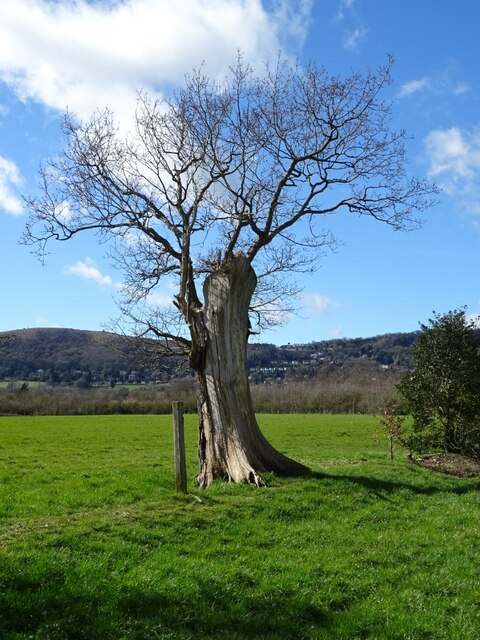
{"x":361,"y":388}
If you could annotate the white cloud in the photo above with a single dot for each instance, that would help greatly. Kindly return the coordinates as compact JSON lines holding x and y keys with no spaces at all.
{"x":86,"y":269}
{"x":83,"y":55}
{"x":317,"y":303}
{"x":63,"y":211}
{"x":414,"y":86}
{"x":453,"y":153}
{"x":159,"y":300}
{"x":9,"y":179}
{"x":453,"y":158}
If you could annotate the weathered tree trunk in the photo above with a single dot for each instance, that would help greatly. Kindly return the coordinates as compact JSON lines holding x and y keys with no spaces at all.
{"x":231,"y":445}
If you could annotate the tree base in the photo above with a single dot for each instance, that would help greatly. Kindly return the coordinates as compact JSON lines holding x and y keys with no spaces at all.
{"x":239,"y":467}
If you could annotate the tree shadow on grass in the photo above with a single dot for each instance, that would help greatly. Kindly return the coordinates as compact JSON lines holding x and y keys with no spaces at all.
{"x":213,"y":614}
{"x":382,"y":487}
{"x":203,"y":609}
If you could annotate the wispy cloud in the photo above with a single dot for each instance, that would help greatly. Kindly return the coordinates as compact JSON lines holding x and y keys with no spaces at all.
{"x":316,"y":303}
{"x":294,"y":15}
{"x":354,"y":28}
{"x":86,"y":269}
{"x":344,"y":9}
{"x":414,"y":86}
{"x":453,"y":157}
{"x":460,"y":88}
{"x":83,"y":55}
{"x":10,"y":179}
{"x":354,"y":37}
{"x":442,"y":83}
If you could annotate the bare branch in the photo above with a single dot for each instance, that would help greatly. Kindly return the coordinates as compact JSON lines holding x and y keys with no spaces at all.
{"x":254,"y":164}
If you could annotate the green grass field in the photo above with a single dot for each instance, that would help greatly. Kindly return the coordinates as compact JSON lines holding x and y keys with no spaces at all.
{"x":95,"y":545}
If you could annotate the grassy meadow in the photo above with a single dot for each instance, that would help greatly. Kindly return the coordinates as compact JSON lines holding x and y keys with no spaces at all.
{"x":96,"y":545}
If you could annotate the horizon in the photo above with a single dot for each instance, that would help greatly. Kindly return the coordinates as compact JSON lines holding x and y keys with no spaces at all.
{"x":250,"y":342}
{"x":377,"y":281}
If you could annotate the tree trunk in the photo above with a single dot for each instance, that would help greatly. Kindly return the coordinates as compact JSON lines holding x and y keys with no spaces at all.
{"x":231,"y":445}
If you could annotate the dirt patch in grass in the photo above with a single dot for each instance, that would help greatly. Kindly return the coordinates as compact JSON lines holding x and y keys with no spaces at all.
{"x":451,"y":464}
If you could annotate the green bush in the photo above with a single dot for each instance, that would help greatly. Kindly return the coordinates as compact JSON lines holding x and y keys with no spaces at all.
{"x":443,"y":392}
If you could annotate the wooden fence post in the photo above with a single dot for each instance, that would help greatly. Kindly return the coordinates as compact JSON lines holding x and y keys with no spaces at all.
{"x":179,"y":444}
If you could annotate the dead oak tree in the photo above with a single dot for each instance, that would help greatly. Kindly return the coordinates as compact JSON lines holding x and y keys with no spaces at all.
{"x":224,"y":189}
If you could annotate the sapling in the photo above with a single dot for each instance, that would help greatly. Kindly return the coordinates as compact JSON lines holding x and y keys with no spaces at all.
{"x":391,"y":422}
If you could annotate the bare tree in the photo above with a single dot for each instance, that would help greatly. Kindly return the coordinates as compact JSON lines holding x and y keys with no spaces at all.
{"x":224,"y":189}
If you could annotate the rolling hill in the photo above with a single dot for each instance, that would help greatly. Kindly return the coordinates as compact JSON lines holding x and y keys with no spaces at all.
{"x":69,"y":355}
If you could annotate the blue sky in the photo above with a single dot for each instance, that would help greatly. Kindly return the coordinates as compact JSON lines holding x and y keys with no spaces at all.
{"x":83,"y":55}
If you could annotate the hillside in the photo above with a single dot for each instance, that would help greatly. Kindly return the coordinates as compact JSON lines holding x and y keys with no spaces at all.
{"x":387,"y":351}
{"x":70,"y":355}
{"x":85,"y":357}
